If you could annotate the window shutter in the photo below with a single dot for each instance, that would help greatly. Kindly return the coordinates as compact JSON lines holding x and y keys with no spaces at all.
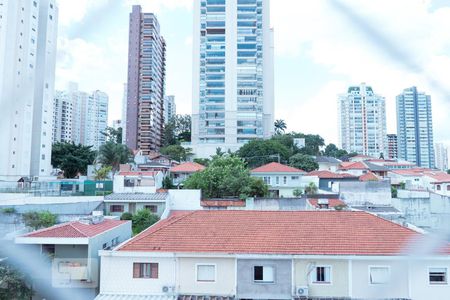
{"x":136,"y":270}
{"x":154,"y":270}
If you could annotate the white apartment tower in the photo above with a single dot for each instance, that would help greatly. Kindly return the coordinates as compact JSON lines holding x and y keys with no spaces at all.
{"x":362,"y":121}
{"x":441,"y":156}
{"x":96,"y":119}
{"x":233,"y":81}
{"x":28,"y":37}
{"x":170,"y":108}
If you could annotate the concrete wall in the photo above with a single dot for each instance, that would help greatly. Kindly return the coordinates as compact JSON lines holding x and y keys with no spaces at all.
{"x":280,"y":289}
{"x":376,"y":192}
{"x":419,"y":282}
{"x":71,"y":251}
{"x":339,"y":286}
{"x":117,"y":275}
{"x":138,"y":206}
{"x":182,"y":200}
{"x":224,"y":285}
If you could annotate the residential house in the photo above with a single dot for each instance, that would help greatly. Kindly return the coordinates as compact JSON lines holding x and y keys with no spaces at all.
{"x":329,"y":181}
{"x":282,"y":180}
{"x":279,"y":255}
{"x":422,"y":179}
{"x":69,"y":253}
{"x":327,"y":163}
{"x":138,"y":181}
{"x":183,"y":171}
{"x":116,"y":204}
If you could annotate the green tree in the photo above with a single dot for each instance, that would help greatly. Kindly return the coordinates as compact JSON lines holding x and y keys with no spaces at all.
{"x":177,"y":130}
{"x":113,"y":135}
{"x":13,"y":284}
{"x":113,"y":155}
{"x":225,"y":176}
{"x":167,"y":183}
{"x":313,"y":143}
{"x":333,"y":151}
{"x":255,"y":188}
{"x":203,"y":161}
{"x":126,"y":216}
{"x":39,"y":220}
{"x":72,"y":159}
{"x":103,"y":173}
{"x":259,"y":152}
{"x":280,"y":126}
{"x":297,"y":192}
{"x":177,"y":152}
{"x":303,"y":162}
{"x":143,"y":219}
{"x":394,"y":192}
{"x":311,"y":189}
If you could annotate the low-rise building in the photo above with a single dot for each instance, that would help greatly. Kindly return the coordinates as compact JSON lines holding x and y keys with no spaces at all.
{"x":117,"y":204}
{"x":282,"y":180}
{"x":275,"y":255}
{"x":329,"y":181}
{"x":183,"y":171}
{"x":70,"y":252}
{"x":327,"y":163}
{"x":138,"y":182}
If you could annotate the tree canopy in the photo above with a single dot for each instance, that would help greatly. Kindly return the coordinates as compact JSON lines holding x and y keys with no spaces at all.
{"x":113,"y":135}
{"x":333,"y":151}
{"x":72,"y":159}
{"x":143,"y":219}
{"x":304,"y":162}
{"x":177,"y":130}
{"x":280,"y":126}
{"x":13,"y":284}
{"x":113,"y":154}
{"x":259,"y":152}
{"x":177,"y":152}
{"x":226,"y":176}
{"x":39,"y":220}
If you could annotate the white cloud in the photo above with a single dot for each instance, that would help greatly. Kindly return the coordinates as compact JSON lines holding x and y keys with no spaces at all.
{"x":72,"y":11}
{"x":157,"y":5}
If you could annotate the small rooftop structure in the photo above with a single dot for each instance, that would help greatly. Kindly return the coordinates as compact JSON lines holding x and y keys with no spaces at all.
{"x":275,"y":167}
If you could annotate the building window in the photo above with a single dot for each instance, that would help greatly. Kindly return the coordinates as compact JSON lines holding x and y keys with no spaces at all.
{"x":206,"y":273}
{"x":379,"y":275}
{"x":105,"y":245}
{"x":116,"y":208}
{"x":438,"y":275}
{"x":294,"y":177}
{"x":48,"y":249}
{"x":285,"y":180}
{"x":448,"y":187}
{"x":438,"y":187}
{"x":152,"y":208}
{"x":277,"y":180}
{"x":264,"y":274}
{"x":321,"y":274}
{"x":145,"y":270}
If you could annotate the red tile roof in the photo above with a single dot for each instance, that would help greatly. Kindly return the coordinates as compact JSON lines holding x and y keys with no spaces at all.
{"x":274,"y":232}
{"x":275,"y":167}
{"x":75,"y":229}
{"x":138,"y":173}
{"x":187,"y":167}
{"x":369,"y":177}
{"x":329,"y":175}
{"x":353,"y":166}
{"x":331,"y":202}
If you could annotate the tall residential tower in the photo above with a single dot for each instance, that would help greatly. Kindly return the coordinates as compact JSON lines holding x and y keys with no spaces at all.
{"x":415,"y":128}
{"x":362,"y":121}
{"x":146,"y":83}
{"x":233,"y":88}
{"x":28,"y":37}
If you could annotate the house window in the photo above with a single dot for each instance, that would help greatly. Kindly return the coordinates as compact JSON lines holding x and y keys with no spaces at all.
{"x":448,"y":187}
{"x":116,"y":208}
{"x":294,"y":177}
{"x":152,"y":208}
{"x":277,"y":180}
{"x":206,"y":273}
{"x":438,"y":187}
{"x":438,"y":275}
{"x":321,"y":274}
{"x":264,"y":274}
{"x":285,"y":180}
{"x":48,"y":249}
{"x":145,"y":270}
{"x":266,"y":180}
{"x":379,"y":275}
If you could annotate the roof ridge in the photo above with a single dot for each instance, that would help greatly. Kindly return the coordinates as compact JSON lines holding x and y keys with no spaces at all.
{"x":71,"y":225}
{"x":48,"y":228}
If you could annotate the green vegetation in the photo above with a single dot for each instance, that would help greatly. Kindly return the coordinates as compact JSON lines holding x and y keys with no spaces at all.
{"x":333,"y":151}
{"x":9,"y":210}
{"x":113,"y":135}
{"x":311,"y":189}
{"x":177,"y":152}
{"x":394,"y":192}
{"x":143,"y":219}
{"x":113,"y":155}
{"x":226,"y":176}
{"x":126,"y":216}
{"x":280,"y":126}
{"x":303,"y":162}
{"x":203,"y":161}
{"x":39,"y":220}
{"x":177,"y":130}
{"x":13,"y":284}
{"x":297,"y":192}
{"x":103,"y":173}
{"x":167,"y":183}
{"x":72,"y":159}
{"x":260,"y":152}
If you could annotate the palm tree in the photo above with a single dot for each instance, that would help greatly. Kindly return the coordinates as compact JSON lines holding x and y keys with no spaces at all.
{"x":311,"y":189}
{"x":112,"y":154}
{"x":280,"y":126}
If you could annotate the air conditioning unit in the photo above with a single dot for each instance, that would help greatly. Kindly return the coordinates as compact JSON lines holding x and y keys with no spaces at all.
{"x":168,"y":289}
{"x":302,"y":291}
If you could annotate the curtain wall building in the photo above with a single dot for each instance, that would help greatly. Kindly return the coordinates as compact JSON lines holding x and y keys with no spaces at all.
{"x":28,"y":37}
{"x":362,"y":121}
{"x":233,"y":93}
{"x":146,"y":82}
{"x":170,"y":108}
{"x":415,"y":128}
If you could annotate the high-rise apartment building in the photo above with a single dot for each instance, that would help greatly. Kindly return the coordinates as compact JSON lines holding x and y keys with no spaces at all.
{"x":233,"y":93}
{"x":28,"y":37}
{"x":146,"y":83}
{"x":362,"y":121}
{"x":441,"y":155}
{"x":415,"y":128}
{"x":80,"y":117}
{"x":170,"y":108}
{"x":392,"y":146}
{"x":124,"y":114}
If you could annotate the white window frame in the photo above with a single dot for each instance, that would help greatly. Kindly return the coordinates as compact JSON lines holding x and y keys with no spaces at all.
{"x":313,"y":275}
{"x":206,"y":265}
{"x":262,"y":281}
{"x":437,"y":283}
{"x":379,"y":266}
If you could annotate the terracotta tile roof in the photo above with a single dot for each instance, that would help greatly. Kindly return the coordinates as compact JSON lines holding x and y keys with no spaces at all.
{"x":275,"y":167}
{"x":369,"y":176}
{"x":353,"y":166}
{"x":274,"y":232}
{"x":75,"y":229}
{"x":138,"y":173}
{"x":187,"y":167}
{"x":329,"y":175}
{"x":222,"y":203}
{"x":331,"y":202}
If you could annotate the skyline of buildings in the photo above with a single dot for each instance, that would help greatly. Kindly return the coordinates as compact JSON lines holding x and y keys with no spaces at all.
{"x":362,"y":121}
{"x":170,"y":108}
{"x":146,"y":82}
{"x":233,"y":74}
{"x":28,"y":37}
{"x":441,"y":156}
{"x":415,"y":128}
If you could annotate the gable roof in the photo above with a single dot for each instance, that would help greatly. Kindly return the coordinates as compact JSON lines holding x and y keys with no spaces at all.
{"x":275,"y":167}
{"x":75,"y":229}
{"x":369,"y":176}
{"x":324,"y":174}
{"x":274,"y":232}
{"x":327,"y":159}
{"x":353,"y":166}
{"x":187,"y":167}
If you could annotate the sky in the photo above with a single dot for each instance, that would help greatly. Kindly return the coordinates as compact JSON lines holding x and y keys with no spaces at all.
{"x":321,"y":48}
